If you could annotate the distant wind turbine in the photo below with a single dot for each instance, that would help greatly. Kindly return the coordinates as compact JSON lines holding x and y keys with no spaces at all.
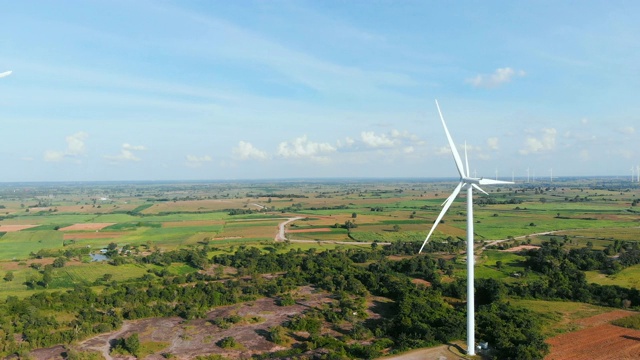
{"x":467,"y":183}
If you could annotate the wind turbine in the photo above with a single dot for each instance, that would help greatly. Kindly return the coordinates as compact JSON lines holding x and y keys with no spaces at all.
{"x":468,"y":183}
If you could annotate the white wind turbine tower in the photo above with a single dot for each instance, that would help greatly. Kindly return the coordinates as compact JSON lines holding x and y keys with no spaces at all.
{"x":632,"y":174}
{"x":468,"y":183}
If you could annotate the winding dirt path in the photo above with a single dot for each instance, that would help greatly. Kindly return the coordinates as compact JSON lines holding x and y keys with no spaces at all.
{"x":280,"y":236}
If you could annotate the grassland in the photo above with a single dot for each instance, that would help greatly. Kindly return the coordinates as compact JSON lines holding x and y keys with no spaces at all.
{"x":560,"y":316}
{"x":629,"y":277}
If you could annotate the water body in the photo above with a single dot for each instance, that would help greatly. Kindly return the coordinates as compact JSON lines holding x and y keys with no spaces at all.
{"x":98,"y":257}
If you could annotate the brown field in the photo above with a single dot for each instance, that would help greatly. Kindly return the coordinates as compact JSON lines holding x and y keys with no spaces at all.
{"x":93,"y":235}
{"x":86,"y":227}
{"x":12,"y":265}
{"x":172,"y":224}
{"x":309,"y":230}
{"x":11,"y":228}
{"x":598,"y":340}
{"x":268,"y":231}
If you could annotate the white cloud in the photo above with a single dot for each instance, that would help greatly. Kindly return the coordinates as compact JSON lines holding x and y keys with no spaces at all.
{"x":75,"y":148}
{"x":584,"y":155}
{"x":628,"y":130}
{"x":133,"y":147}
{"x":492,"y":143}
{"x":5,"y":74}
{"x":499,"y":77}
{"x":546,"y":142}
{"x":303,"y":148}
{"x":408,"y":150}
{"x":346,"y":142}
{"x":197,"y":161}
{"x":126,"y":153}
{"x":53,"y":156}
{"x":444,"y":150}
{"x":375,"y":141}
{"x":246,"y":151}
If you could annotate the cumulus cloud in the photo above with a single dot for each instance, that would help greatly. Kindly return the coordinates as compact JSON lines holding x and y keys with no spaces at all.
{"x":5,"y":74}
{"x":499,"y":77}
{"x":346,"y":142}
{"x":197,"y":161}
{"x":246,"y":151}
{"x":370,"y":139}
{"x":492,"y":143}
{"x":127,"y":153}
{"x":545,"y":142}
{"x":75,"y":148}
{"x":302,"y":147}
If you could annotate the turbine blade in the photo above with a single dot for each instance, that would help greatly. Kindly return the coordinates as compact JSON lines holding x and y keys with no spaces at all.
{"x":456,"y":155}
{"x":479,"y":189}
{"x":493,"y":182}
{"x":453,"y":195}
{"x":446,"y":206}
{"x":466,"y":158}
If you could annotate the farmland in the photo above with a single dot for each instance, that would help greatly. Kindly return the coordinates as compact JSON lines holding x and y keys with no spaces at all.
{"x":182,"y":233}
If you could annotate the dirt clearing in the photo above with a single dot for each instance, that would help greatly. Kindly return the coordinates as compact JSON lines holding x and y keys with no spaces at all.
{"x":188,"y":339}
{"x":598,"y":340}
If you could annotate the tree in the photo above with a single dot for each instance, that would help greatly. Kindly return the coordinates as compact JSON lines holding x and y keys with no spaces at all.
{"x":277,"y":335}
{"x":499,"y":264}
{"x":396,"y":227}
{"x":8,"y":276}
{"x":228,"y":343}
{"x":354,"y":215}
{"x":59,"y":262}
{"x":132,"y":344}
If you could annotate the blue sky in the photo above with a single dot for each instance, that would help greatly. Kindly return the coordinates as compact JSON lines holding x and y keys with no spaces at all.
{"x":172,"y":90}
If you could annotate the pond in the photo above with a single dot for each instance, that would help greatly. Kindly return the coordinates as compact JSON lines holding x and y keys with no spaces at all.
{"x":98,"y":257}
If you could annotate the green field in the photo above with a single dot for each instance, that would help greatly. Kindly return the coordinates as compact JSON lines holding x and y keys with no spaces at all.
{"x":629,"y":277}
{"x":559,"y":316}
{"x":18,"y":245}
